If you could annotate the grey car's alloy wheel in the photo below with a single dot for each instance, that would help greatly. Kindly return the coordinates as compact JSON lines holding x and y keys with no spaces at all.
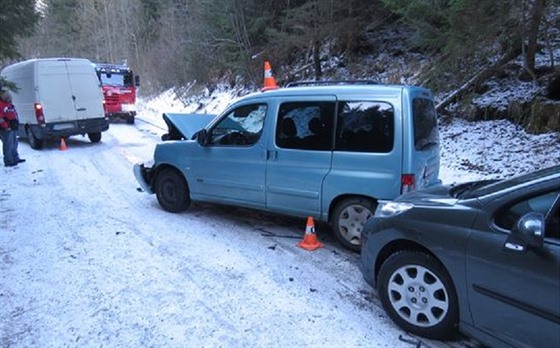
{"x":418,"y":294}
{"x":172,"y":191}
{"x":348,"y":220}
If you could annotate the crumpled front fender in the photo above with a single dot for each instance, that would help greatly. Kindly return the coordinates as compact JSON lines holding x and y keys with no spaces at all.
{"x":143,"y":175}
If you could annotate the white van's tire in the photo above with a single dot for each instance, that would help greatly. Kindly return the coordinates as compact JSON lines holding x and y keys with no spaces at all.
{"x":348,"y":219}
{"x":34,"y":142}
{"x":94,"y":137}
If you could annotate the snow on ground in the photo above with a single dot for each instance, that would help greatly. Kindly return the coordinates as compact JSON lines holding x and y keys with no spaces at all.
{"x":86,"y":260}
{"x":493,"y":149}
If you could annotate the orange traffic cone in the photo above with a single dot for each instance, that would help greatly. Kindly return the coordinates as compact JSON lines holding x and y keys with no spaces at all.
{"x":269,"y":80}
{"x":63,"y":144}
{"x":310,"y":241}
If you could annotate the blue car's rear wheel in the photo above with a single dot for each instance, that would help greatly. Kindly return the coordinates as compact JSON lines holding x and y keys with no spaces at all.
{"x":348,"y":219}
{"x":418,"y":294}
{"x":172,"y":191}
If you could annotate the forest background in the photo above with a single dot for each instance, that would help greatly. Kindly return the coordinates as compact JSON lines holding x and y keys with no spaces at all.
{"x":456,"y":47}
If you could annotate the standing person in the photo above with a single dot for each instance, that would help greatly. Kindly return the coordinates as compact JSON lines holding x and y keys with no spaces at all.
{"x":9,"y":124}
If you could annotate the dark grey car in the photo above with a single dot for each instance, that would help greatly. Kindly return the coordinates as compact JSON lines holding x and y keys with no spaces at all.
{"x":482,"y":257}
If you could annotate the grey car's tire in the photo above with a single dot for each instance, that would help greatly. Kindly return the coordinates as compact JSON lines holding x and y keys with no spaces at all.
{"x":418,"y":294}
{"x":94,"y":137}
{"x":172,"y":191}
{"x":348,"y":219}
{"x":34,"y":142}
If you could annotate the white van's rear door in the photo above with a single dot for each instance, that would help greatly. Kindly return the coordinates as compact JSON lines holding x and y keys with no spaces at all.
{"x":86,"y":89}
{"x":55,"y":92}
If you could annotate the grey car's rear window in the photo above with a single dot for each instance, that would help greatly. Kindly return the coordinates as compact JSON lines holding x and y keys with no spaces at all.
{"x":426,"y":132}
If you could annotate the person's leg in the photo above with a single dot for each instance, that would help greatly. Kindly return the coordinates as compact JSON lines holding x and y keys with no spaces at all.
{"x":7,"y":147}
{"x":15,"y":144}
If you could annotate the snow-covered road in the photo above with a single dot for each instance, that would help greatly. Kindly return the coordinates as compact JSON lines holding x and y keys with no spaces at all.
{"x":87,"y":260}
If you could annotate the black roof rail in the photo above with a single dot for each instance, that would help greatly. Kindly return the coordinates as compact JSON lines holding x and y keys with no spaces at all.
{"x":331,"y":82}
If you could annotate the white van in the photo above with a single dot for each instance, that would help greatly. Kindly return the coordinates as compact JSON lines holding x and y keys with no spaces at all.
{"x":57,"y":97}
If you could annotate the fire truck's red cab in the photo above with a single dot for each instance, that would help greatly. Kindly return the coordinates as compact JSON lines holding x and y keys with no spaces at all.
{"x":119,"y":90}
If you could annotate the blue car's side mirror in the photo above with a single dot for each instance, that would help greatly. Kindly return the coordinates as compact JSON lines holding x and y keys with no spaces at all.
{"x":202,"y":137}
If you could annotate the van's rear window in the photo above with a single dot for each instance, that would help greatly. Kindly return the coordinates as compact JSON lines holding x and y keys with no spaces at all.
{"x":365,"y":126}
{"x":426,"y":132}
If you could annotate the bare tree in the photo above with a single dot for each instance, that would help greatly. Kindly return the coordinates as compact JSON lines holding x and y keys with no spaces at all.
{"x":535,"y":20}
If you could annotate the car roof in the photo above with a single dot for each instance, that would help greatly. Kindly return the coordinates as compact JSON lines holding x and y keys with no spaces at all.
{"x":339,"y":90}
{"x":111,"y":67}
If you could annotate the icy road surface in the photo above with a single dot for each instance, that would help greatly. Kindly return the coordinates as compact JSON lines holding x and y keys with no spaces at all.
{"x":86,"y":260}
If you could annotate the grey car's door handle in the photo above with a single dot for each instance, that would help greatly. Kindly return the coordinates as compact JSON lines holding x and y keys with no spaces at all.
{"x":514,"y":247}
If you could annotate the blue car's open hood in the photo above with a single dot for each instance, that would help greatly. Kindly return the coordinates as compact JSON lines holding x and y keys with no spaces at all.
{"x":184,"y":126}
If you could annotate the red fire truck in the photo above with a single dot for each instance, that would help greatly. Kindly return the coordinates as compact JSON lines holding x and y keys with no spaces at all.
{"x":119,"y":90}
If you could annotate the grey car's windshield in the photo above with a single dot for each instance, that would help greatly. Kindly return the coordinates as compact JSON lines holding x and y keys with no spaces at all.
{"x":487,"y":187}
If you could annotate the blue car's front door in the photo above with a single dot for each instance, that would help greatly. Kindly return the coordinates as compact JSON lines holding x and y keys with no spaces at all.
{"x":231,"y":168}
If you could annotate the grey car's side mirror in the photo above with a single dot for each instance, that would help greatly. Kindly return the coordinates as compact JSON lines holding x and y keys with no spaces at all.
{"x":527,"y":232}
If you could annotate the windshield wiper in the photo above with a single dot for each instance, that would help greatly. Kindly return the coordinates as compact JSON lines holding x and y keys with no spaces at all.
{"x":460,"y":190}
{"x":457,"y":191}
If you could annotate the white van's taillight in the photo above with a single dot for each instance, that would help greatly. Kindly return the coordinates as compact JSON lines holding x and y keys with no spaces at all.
{"x":39,"y":113}
{"x":407,"y":183}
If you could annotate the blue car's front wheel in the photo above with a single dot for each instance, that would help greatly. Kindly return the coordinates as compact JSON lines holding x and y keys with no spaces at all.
{"x":172,"y":190}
